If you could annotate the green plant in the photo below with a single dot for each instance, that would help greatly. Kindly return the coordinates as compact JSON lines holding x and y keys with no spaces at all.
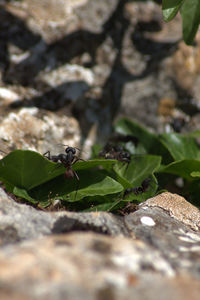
{"x":102,"y":185}
{"x":190,"y":14}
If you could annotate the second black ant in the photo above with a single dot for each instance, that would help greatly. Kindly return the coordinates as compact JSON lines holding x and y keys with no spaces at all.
{"x":140,"y":189}
{"x":111,"y":151}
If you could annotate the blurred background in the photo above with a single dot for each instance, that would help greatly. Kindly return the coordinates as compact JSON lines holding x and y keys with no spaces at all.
{"x":70,"y":68}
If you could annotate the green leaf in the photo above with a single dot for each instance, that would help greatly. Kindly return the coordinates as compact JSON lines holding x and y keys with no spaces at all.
{"x":170,"y":8}
{"x":109,"y":206}
{"x":105,"y":186}
{"x":23,"y":194}
{"x":91,"y":183}
{"x":83,"y":165}
{"x":93,"y":203}
{"x":181,"y":146}
{"x":190,"y":13}
{"x":140,"y":168}
{"x":182,"y":168}
{"x":26,"y":169}
{"x":148,"y":139}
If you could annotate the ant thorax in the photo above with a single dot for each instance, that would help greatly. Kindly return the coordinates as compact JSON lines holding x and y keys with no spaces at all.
{"x":112,"y":151}
{"x":67,"y":160}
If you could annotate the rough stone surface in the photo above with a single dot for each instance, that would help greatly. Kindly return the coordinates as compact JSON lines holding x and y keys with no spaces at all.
{"x":95,"y":60}
{"x":148,"y":254}
{"x":38,"y":131}
{"x":19,"y":222}
{"x":68,"y":69}
{"x":180,"y":209}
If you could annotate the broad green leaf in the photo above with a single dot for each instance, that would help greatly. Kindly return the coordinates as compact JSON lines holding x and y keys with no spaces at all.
{"x":119,"y":170}
{"x":148,"y":139}
{"x":140,"y":168}
{"x":27,"y":169}
{"x":83,"y":165}
{"x":182,"y":168}
{"x":128,"y":127}
{"x":91,"y":183}
{"x":170,"y":8}
{"x":181,"y":146}
{"x":105,"y":186}
{"x":190,"y":13}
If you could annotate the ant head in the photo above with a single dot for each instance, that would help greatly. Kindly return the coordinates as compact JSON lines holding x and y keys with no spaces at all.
{"x":70,"y":149}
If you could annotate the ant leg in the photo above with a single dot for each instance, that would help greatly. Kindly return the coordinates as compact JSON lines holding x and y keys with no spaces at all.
{"x":76,"y":158}
{"x":77,"y":184}
{"x":76,"y":175}
{"x":47,"y":155}
{"x":54,"y":158}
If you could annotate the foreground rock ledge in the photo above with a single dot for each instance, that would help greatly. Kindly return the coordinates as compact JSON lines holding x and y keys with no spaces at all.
{"x":152,"y":252}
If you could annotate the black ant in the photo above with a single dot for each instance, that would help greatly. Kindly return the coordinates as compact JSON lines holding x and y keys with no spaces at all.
{"x":178,"y":123}
{"x":67,"y":160}
{"x":140,"y":189}
{"x":111,"y":151}
{"x":129,"y":208}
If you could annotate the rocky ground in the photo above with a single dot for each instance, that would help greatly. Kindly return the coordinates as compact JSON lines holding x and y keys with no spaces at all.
{"x":152,"y":253}
{"x":68,"y":70}
{"x":73,"y":67}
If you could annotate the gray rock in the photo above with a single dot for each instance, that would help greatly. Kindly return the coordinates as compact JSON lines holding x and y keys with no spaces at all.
{"x":152,"y":253}
{"x":91,"y":266}
{"x":20,"y":221}
{"x":88,"y":54}
{"x":178,"y":244}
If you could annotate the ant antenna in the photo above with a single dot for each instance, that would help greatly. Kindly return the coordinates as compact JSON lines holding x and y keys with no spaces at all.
{"x":69,"y":146}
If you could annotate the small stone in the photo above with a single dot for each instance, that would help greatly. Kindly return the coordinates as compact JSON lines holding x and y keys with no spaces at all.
{"x":147,"y":221}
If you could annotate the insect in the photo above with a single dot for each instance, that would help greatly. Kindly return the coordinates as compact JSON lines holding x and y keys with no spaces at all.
{"x":129,"y":208}
{"x":178,"y":123}
{"x":67,"y":160}
{"x":111,"y":151}
{"x":140,"y":189}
